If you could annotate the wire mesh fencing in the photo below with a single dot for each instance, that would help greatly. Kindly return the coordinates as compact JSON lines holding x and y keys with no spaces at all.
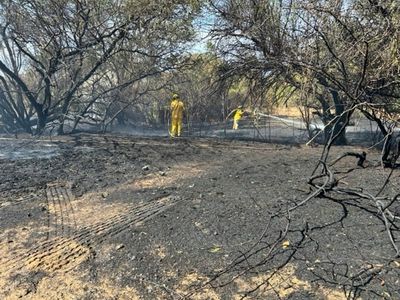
{"x":290,"y":130}
{"x":271,"y":129}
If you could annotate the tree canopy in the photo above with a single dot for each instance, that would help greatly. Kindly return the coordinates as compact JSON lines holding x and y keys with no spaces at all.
{"x":60,"y":59}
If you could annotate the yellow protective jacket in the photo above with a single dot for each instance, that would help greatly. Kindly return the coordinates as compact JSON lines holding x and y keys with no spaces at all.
{"x":177,"y":109}
{"x":238,"y":114}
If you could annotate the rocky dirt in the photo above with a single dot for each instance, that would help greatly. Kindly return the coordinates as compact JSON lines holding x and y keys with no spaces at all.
{"x":114,"y":217}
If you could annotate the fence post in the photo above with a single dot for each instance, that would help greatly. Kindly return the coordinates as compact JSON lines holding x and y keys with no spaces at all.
{"x":265,"y":130}
{"x":293,"y":129}
{"x":269,"y":129}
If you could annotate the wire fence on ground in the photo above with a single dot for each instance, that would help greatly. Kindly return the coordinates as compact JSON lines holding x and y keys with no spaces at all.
{"x":283,"y":129}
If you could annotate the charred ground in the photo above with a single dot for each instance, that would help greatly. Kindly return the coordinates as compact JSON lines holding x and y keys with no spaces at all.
{"x":106,"y":217}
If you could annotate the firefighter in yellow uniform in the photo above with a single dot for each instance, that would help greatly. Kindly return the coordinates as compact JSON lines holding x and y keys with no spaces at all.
{"x":237,"y":116}
{"x":177,"y":108}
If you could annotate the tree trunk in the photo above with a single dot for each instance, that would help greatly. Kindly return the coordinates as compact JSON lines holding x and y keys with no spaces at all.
{"x":41,"y":119}
{"x":339,"y":129}
{"x":60,"y":130}
{"x":339,"y":126}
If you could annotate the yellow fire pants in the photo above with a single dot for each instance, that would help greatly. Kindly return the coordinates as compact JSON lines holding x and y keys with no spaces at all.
{"x":235,"y":124}
{"x":176,"y":126}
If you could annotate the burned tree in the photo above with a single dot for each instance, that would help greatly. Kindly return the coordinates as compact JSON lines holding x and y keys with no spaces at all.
{"x":350,"y":51}
{"x":346,"y":49}
{"x":57,"y":55}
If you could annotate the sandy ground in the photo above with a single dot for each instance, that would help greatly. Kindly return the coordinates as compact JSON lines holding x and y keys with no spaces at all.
{"x":106,"y":217}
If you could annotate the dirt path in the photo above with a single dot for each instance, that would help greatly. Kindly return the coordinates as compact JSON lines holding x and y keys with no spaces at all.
{"x":126,"y":218}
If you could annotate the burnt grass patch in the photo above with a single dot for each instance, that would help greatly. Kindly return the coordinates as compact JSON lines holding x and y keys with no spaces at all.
{"x":114,"y":217}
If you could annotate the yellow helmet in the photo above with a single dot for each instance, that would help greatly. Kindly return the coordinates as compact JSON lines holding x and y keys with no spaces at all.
{"x":175,"y":96}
